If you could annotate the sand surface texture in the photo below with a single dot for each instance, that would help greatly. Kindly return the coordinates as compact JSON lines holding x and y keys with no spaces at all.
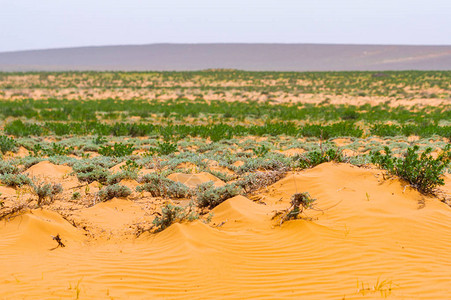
{"x":366,"y":238}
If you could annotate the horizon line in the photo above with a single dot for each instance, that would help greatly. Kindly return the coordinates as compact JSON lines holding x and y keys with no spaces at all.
{"x":222,"y":43}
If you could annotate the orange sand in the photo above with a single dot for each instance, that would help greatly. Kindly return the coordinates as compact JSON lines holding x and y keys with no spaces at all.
{"x":363,"y":230}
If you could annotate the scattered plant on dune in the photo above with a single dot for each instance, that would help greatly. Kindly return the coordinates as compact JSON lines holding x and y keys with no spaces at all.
{"x":422,"y":171}
{"x":207,"y":195}
{"x":46,"y":190}
{"x":159,"y":186}
{"x":299,"y":203}
{"x":116,"y":190}
{"x":171,"y":214}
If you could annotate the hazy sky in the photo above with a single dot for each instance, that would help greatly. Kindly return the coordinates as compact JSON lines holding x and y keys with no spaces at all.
{"x":40,"y":24}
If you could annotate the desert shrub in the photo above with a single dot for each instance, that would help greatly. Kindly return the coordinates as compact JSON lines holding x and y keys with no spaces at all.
{"x":76,"y":196}
{"x":7,"y":168}
{"x":115,"y":190}
{"x":255,"y":181}
{"x":15,"y":180}
{"x":261,"y":151}
{"x":208,"y":195}
{"x":117,"y":150}
{"x":171,"y":214}
{"x":7,"y":144}
{"x":160,"y":186}
{"x":90,"y":172}
{"x":29,"y":161}
{"x":260,"y":163}
{"x":47,"y":190}
{"x":131,"y":167}
{"x":164,"y":148}
{"x":18,"y":128}
{"x":316,"y":157}
{"x":422,"y":171}
{"x":57,"y":149}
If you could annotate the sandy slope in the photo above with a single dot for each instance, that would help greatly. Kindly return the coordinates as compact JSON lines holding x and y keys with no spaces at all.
{"x":363,"y":230}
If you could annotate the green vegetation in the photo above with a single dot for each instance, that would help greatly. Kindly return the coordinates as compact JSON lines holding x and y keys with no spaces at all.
{"x":159,"y":186}
{"x":112,"y":191}
{"x":210,"y":196}
{"x":171,"y":214}
{"x":46,"y":190}
{"x":325,"y":154}
{"x":422,"y":171}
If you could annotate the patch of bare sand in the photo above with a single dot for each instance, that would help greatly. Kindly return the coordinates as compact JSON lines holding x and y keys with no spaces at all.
{"x":363,"y":230}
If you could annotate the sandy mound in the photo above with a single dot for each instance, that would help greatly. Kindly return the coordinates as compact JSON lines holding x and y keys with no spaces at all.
{"x":111,"y":217}
{"x":34,"y":230}
{"x":47,"y":170}
{"x":192,"y":180}
{"x":6,"y":191}
{"x":239,"y":211}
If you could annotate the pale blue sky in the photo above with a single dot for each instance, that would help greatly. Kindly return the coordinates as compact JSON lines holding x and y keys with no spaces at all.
{"x":41,"y":24}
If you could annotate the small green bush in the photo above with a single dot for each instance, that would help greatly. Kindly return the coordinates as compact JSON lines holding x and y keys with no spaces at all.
{"x":115,"y":190}
{"x":160,"y":186}
{"x":314,"y":158}
{"x":15,"y":180}
{"x":422,"y":171}
{"x":117,"y":150}
{"x":7,"y":144}
{"x":90,"y":172}
{"x":210,"y":196}
{"x":7,"y":168}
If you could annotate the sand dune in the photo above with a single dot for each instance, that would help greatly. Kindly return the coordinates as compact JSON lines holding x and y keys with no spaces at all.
{"x":252,"y":57}
{"x":364,"y":230}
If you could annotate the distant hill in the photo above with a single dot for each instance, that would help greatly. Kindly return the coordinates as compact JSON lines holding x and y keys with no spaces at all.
{"x":253,"y":57}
